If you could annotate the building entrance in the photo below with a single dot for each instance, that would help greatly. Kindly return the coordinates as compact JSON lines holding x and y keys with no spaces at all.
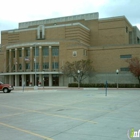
{"x":55,"y":80}
{"x":46,"y":80}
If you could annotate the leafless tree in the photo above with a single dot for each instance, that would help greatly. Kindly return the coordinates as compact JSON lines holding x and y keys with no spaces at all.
{"x":71,"y":69}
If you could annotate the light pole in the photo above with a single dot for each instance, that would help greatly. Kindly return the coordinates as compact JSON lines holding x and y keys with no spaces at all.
{"x":35,"y":87}
{"x":43,"y":78}
{"x":78,"y":71}
{"x":117,"y":72}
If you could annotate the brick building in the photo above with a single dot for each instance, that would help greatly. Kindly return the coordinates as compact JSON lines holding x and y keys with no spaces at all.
{"x":36,"y":51}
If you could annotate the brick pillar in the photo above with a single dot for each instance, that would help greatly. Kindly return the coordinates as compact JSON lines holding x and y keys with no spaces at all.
{"x":10,"y":60}
{"x":23,"y":59}
{"x":40,"y":58}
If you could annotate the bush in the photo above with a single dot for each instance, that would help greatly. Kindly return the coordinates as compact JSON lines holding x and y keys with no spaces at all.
{"x":102,"y":85}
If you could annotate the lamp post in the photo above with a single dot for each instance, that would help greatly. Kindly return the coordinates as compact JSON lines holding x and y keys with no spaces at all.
{"x":43,"y":78}
{"x":78,"y":71}
{"x":117,"y":72}
{"x":35,"y":87}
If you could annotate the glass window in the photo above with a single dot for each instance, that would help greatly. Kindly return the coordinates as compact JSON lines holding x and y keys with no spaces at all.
{"x":27,"y":65}
{"x":37,"y":51}
{"x":126,"y":56}
{"x":55,"y":51}
{"x":13,"y":52}
{"x":46,"y":65}
{"x":20,"y":52}
{"x":37,"y":65}
{"x":27,"y":51}
{"x":45,"y":51}
{"x":55,"y":65}
{"x":124,"y":69}
{"x":20,"y":66}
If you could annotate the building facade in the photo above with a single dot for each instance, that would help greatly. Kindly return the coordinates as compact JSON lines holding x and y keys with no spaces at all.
{"x":34,"y":53}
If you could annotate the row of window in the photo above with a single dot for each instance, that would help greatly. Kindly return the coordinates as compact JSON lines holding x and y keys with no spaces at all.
{"x":45,"y":51}
{"x":55,"y":65}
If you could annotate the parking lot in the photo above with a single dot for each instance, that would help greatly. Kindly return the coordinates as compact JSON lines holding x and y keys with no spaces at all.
{"x":65,"y":114}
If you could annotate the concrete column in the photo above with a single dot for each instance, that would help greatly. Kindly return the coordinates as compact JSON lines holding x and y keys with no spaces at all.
{"x":10,"y":60}
{"x":31,"y":78}
{"x":40,"y":78}
{"x":40,"y":58}
{"x":50,"y":58}
{"x":23,"y":59}
{"x":50,"y":80}
{"x":16,"y":80}
{"x":23,"y":79}
{"x":10,"y":80}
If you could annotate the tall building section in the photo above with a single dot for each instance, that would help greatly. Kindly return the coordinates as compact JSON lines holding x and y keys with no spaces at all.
{"x":34,"y":53}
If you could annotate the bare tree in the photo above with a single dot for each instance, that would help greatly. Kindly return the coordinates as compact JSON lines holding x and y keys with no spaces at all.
{"x":84,"y":66}
{"x":134,"y":66}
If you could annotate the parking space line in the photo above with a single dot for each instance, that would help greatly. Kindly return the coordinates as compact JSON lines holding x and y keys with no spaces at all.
{"x":79,"y":108}
{"x":54,"y":115}
{"x":25,"y":131}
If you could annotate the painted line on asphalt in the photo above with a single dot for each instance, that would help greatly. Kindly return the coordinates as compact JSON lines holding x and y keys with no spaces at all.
{"x":78,"y":108}
{"x":54,"y":115}
{"x":25,"y":131}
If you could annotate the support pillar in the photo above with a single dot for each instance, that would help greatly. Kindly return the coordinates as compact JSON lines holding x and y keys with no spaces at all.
{"x":16,"y":80}
{"x":50,"y":80}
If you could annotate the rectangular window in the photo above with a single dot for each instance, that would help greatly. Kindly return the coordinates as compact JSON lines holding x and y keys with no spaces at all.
{"x":124,"y":69}
{"x":55,"y":65}
{"x":37,"y":65}
{"x":55,"y":51}
{"x":126,"y":29}
{"x":13,"y":52}
{"x":85,"y":52}
{"x":45,"y":51}
{"x":27,"y":66}
{"x":126,"y":56}
{"x":27,"y":52}
{"x":46,"y":65}
{"x":20,"y":66}
{"x":20,"y":52}
{"x":36,"y":49}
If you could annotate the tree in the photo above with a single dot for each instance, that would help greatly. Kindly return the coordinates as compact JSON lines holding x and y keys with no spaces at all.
{"x":71,"y":69}
{"x":134,"y":66}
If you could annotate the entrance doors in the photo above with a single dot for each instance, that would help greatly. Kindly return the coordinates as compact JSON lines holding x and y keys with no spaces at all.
{"x":55,"y":80}
{"x":46,"y":80}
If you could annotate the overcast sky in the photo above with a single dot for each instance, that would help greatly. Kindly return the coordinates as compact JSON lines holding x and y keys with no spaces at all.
{"x":14,"y":11}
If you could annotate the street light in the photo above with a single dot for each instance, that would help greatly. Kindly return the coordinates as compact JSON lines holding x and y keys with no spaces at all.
{"x":78,"y":71}
{"x":117,"y":72}
{"x":43,"y":78}
{"x":35,"y":87}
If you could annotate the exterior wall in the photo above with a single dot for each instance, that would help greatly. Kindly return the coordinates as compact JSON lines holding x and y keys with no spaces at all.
{"x":100,"y":40}
{"x":107,"y":59}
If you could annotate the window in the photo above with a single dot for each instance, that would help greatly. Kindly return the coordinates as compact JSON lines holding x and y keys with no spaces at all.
{"x":55,"y":51}
{"x":20,"y":52}
{"x":37,"y":51}
{"x":85,"y":52}
{"x":20,"y":66}
{"x":13,"y":52}
{"x":46,"y":65}
{"x":27,"y":51}
{"x":27,"y":66}
{"x":124,"y":69}
{"x":126,"y":56}
{"x":45,"y":51}
{"x":37,"y":65}
{"x":55,"y":65}
{"x":74,"y":53}
{"x":126,"y":29}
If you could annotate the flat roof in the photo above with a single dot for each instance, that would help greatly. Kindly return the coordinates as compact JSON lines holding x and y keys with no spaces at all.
{"x":89,"y":16}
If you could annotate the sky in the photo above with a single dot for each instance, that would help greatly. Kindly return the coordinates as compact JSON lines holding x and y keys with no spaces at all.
{"x":14,"y":11}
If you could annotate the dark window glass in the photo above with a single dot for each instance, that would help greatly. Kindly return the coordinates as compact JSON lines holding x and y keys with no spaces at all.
{"x":55,"y":51}
{"x":45,"y":51}
{"x":126,"y":56}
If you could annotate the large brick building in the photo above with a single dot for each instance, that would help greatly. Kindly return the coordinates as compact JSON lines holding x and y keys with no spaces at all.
{"x":107,"y":42}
